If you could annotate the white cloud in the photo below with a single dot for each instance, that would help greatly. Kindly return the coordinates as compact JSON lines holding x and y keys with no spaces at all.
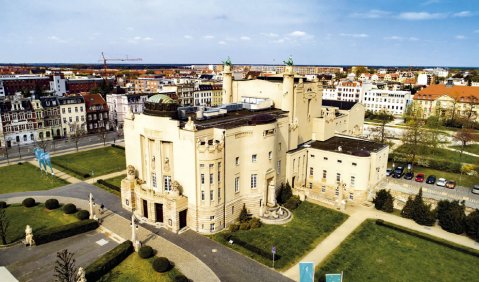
{"x":462,"y":14}
{"x":57,"y":39}
{"x":130,"y":28}
{"x":355,"y":35}
{"x":419,"y":16}
{"x":138,"y":39}
{"x":270,"y":34}
{"x":371,"y":14}
{"x":460,"y":37}
{"x":297,"y":33}
{"x":429,"y":2}
{"x":401,"y":38}
{"x":187,"y":36}
{"x":245,"y":38}
{"x":208,"y":37}
{"x":222,"y":42}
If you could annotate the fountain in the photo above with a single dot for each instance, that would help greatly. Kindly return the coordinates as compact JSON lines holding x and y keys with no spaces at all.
{"x":272,"y":213}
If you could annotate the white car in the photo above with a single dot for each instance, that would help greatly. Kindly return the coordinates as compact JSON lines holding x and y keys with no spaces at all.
{"x":441,"y":182}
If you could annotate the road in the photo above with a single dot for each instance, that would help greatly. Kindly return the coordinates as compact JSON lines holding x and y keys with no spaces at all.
{"x":432,"y":191}
{"x":22,"y":153}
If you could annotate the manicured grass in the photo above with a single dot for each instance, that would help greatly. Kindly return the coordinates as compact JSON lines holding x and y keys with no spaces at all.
{"x":38,"y":217}
{"x":473,"y":148}
{"x":114,"y":181}
{"x":134,"y":268}
{"x":464,"y":180}
{"x":378,"y":253}
{"x":26,"y":177}
{"x":310,"y":225}
{"x":101,"y":161}
{"x":442,"y":154}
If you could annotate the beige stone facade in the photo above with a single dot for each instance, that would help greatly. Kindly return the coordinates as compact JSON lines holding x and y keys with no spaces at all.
{"x":196,"y":168}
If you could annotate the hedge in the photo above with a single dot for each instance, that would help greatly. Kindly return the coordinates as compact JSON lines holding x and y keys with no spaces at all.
{"x":108,"y":261}
{"x":85,"y":175}
{"x":82,"y":214}
{"x":426,"y":237}
{"x":145,"y":252}
{"x":3,"y":204}
{"x":28,"y":202}
{"x":52,"y":204}
{"x":118,"y":147}
{"x":64,"y":231}
{"x":111,"y":186}
{"x":161,"y":264}
{"x":69,"y":208}
{"x":252,"y":248}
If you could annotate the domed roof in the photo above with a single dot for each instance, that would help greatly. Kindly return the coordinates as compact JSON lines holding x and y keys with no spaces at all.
{"x":161,"y":99}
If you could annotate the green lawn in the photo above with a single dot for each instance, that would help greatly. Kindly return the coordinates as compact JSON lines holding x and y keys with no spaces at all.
{"x":26,"y":177}
{"x":134,"y":268}
{"x":378,"y":253}
{"x":114,"y":181}
{"x":464,"y":180}
{"x":473,"y":148}
{"x":442,"y":154}
{"x":38,"y":217}
{"x":310,"y":225}
{"x":101,"y":161}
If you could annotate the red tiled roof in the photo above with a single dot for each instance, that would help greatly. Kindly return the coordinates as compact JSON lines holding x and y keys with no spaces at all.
{"x":456,"y":92}
{"x":94,"y":100}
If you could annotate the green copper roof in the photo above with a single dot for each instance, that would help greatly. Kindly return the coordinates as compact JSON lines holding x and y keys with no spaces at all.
{"x":161,"y":98}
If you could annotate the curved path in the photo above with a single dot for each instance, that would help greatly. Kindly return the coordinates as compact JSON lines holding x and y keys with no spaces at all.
{"x":198,"y":257}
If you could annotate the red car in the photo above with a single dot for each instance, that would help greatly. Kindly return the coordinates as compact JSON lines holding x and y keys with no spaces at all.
{"x":420,"y":177}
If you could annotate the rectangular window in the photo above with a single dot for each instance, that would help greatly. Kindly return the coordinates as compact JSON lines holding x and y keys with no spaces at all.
{"x":232,"y":209}
{"x":355,"y":164}
{"x":312,"y":156}
{"x":253,"y":181}
{"x":211,"y":195}
{"x":237,"y":161}
{"x":76,"y":109}
{"x":202,"y":178}
{"x":167,"y":182}
{"x":153,"y":179}
{"x":202,"y":165}
{"x":270,"y":155}
{"x":353,"y":181}
{"x":338,"y":176}
{"x":278,"y":167}
{"x":219,"y":194}
{"x":212,"y":227}
{"x":69,"y":110}
{"x":325,"y":173}
{"x":202,"y":195}
{"x":311,"y":171}
{"x":325,"y":158}
{"x":63,"y":110}
{"x":351,"y":196}
{"x":323,"y":188}
{"x":211,"y":165}
{"x":310,"y":185}
{"x":340,"y":161}
{"x":237,"y":187}
{"x":211,"y":178}
{"x":253,"y":158}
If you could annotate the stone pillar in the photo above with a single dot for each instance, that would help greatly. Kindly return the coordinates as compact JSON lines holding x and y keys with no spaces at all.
{"x":227,"y":84}
{"x":271,"y":195}
{"x":91,"y":206}
{"x":287,"y":103}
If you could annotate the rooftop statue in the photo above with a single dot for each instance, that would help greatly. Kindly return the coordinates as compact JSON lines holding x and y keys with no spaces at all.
{"x":289,"y":62}
{"x":227,"y":62}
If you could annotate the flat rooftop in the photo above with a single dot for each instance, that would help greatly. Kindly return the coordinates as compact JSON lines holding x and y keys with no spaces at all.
{"x":349,"y":146}
{"x":239,"y":118}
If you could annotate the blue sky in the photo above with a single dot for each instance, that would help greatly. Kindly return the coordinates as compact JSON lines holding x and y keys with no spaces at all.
{"x":374,"y":32}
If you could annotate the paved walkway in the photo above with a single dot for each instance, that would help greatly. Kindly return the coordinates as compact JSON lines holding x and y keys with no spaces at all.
{"x":358,"y":215}
{"x":60,"y":174}
{"x":106,"y":176}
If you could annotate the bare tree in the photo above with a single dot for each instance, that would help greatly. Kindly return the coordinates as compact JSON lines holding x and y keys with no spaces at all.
{"x":464,"y":135}
{"x":77,"y":133}
{"x":65,"y":270}
{"x":42,"y":143}
{"x":379,"y":132}
{"x":4,"y":223}
{"x":412,"y":137}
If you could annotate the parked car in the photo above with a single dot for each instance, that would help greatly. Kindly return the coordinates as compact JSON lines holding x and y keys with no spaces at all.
{"x":451,"y":184}
{"x":420,"y":177}
{"x":475,"y":189}
{"x":431,"y":179}
{"x":409,"y":175}
{"x":398,"y":172}
{"x":389,"y":171}
{"x":441,"y":182}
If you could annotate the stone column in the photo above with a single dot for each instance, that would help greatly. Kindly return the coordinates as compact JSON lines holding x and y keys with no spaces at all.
{"x":271,"y":195}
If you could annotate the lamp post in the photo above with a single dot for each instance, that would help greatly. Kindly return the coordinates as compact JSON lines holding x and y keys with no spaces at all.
{"x":6,"y":141}
{"x":134,"y":227}
{"x":91,"y":205}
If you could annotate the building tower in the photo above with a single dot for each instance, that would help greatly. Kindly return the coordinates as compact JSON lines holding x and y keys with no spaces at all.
{"x":227,"y":82}
{"x":287,"y":103}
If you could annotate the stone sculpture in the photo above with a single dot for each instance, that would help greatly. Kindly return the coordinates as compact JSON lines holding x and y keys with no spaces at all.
{"x":29,"y":236}
{"x":81,"y":275}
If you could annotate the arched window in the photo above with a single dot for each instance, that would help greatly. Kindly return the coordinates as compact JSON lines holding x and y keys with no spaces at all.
{"x":25,"y":137}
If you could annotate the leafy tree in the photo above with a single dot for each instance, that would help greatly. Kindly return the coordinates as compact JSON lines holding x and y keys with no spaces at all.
{"x":4,"y":223}
{"x":65,"y":270}
{"x":412,"y":138}
{"x":244,"y":216}
{"x":472,"y":225}
{"x":452,"y":216}
{"x":384,"y":201}
{"x":408,"y":209}
{"x":379,"y":132}
{"x":421,"y":212}
{"x":286,"y":193}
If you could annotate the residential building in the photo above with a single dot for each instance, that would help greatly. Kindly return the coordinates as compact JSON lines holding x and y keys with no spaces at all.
{"x":73,"y":115}
{"x":148,"y":84}
{"x":196,"y":167}
{"x":51,"y":116}
{"x":97,"y":119}
{"x":349,"y":116}
{"x":447,"y":101}
{"x":425,"y":79}
{"x":19,"y":121}
{"x":58,"y":85}
{"x":119,"y":104}
{"x":393,"y":102}
{"x":84,"y":84}
{"x":208,"y":95}
{"x":11,"y":84}
{"x":43,"y":131}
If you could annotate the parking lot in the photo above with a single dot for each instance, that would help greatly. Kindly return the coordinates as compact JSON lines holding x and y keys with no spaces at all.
{"x":432,"y":191}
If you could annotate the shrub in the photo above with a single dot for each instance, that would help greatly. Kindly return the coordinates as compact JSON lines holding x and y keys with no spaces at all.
{"x":233,"y":227}
{"x":384,"y":201}
{"x":64,"y":231}
{"x":69,"y":208}
{"x":292,"y":203}
{"x":451,"y":216}
{"x":52,"y":204}
{"x":255,"y":223}
{"x":108,"y":261}
{"x":145,"y":252}
{"x":244,"y":216}
{"x":244,"y":226}
{"x":472,"y":225}
{"x":3,"y":204}
{"x":83,"y":214}
{"x":286,"y":193}
{"x":28,"y":202}
{"x":161,"y":264}
{"x":86,"y":175}
{"x":181,"y":278}
{"x":408,"y":209}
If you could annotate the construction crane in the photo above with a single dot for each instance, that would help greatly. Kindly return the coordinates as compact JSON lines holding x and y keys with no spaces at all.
{"x":105,"y":60}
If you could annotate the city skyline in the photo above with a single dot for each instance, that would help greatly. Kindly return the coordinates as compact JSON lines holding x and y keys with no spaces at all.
{"x":432,"y":33}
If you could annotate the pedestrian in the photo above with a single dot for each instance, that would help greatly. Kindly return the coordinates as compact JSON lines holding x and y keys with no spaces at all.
{"x":102,"y":208}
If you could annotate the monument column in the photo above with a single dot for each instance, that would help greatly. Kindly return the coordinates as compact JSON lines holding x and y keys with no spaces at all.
{"x":227,"y":82}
